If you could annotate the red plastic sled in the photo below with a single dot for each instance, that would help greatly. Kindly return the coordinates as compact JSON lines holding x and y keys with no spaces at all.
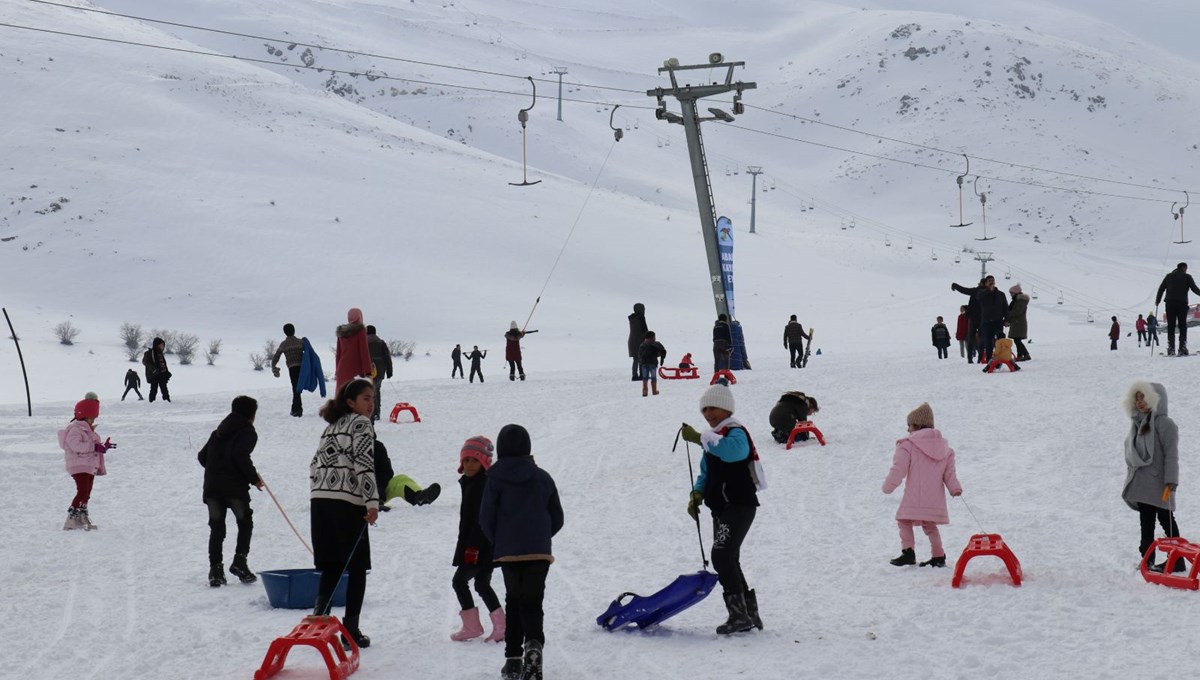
{"x":1176,"y":549}
{"x":805,"y":426}
{"x":678,"y":373}
{"x":404,"y":406}
{"x":987,"y":544}
{"x":321,"y":632}
{"x":727,"y":374}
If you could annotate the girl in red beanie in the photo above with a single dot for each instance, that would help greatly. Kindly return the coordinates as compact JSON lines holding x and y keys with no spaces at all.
{"x":84,"y":454}
{"x":473,"y":552}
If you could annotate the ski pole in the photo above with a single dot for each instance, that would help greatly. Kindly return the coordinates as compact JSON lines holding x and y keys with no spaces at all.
{"x":285,"y":516}
{"x":691,"y":476}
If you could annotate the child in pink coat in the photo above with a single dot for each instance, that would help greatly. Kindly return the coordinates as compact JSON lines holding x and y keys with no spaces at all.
{"x":927,"y":461}
{"x":84,"y":455}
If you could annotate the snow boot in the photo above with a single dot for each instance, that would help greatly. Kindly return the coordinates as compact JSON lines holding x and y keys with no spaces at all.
{"x":429,"y":494}
{"x":739,"y":620}
{"x":636,"y":377}
{"x":84,"y":520}
{"x":471,"y":627}
{"x":240,"y":569}
{"x":654,"y":389}
{"x":531,"y":663}
{"x":752,"y":608}
{"x":216,"y":575}
{"x":511,"y":670}
{"x":934,"y":562}
{"x":907,"y":557}
{"x":1180,"y":566}
{"x":73,"y":521}
{"x":1183,"y":351}
{"x":351,"y":626}
{"x":1171,"y":345}
{"x":523,"y":380}
{"x":321,"y":606}
{"x":499,"y":625}
{"x":645,"y":390}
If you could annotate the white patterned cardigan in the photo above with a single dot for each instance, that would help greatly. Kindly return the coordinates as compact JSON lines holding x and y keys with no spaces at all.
{"x":343,"y":467}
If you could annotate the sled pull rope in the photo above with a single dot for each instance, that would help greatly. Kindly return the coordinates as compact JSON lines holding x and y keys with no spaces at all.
{"x":285,"y":516}
{"x":579,"y":216}
{"x":968,"y":507}
{"x":691,"y":476}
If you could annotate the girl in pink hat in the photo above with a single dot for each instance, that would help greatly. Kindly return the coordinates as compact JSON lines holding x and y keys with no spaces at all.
{"x":84,"y":454}
{"x":473,"y":552}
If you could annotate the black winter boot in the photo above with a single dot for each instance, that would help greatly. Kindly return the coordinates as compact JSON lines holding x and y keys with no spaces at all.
{"x":429,"y":494}
{"x":531,"y":663}
{"x":739,"y":620}
{"x":240,"y":569}
{"x":752,"y":608}
{"x":216,"y":575}
{"x":321,"y":607}
{"x":934,"y":562}
{"x":906,"y":558}
{"x":511,"y":670}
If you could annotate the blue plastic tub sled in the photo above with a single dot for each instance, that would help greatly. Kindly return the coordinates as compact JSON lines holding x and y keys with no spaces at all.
{"x":297,"y":588}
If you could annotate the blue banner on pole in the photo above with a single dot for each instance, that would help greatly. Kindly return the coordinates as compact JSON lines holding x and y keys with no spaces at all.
{"x":725,"y":250}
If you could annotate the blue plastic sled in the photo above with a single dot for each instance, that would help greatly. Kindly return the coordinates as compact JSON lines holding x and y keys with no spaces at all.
{"x":682,"y":593}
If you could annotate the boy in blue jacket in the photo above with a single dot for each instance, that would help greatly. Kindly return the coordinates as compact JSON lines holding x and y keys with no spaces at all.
{"x":519,"y":514}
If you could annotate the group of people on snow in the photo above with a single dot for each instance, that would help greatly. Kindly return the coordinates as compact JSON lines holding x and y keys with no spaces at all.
{"x":981,"y":323}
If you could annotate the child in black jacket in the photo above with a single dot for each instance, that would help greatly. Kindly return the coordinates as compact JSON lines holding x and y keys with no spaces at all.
{"x":473,"y":552}
{"x":132,"y":382}
{"x":228,"y":475}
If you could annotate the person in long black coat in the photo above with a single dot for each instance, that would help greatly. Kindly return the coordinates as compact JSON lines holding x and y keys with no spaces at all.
{"x":722,"y":337}
{"x":637,"y":332}
{"x":973,"y":344}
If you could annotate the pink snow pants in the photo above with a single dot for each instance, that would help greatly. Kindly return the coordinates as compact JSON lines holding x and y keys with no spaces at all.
{"x":907,"y":539}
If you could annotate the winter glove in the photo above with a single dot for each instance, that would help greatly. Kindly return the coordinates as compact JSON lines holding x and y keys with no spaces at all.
{"x":373,"y":372}
{"x":471,"y":555}
{"x":108,"y":444}
{"x":275,"y":371}
{"x":99,"y":448}
{"x":1166,"y":495}
{"x":690,"y":434}
{"x":695,"y":500}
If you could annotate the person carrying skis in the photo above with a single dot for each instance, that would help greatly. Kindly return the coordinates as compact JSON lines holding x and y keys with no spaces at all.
{"x":84,"y":456}
{"x":476,"y":356}
{"x":228,"y":475}
{"x":722,"y":336}
{"x":520,"y":513}
{"x":512,"y":350}
{"x":941,"y":338}
{"x":651,"y":354}
{"x":473,"y":552}
{"x":1175,"y":286}
{"x":457,"y":367}
{"x":292,"y":351}
{"x":132,"y":382}
{"x":728,"y":484}
{"x":157,"y":373}
{"x":1114,"y":334}
{"x":927,"y":461}
{"x":637,"y":332}
{"x":1151,"y":464}
{"x":793,"y":340}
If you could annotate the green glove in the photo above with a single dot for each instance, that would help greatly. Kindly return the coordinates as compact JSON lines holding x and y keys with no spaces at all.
{"x":695,"y":500}
{"x":690,"y":434}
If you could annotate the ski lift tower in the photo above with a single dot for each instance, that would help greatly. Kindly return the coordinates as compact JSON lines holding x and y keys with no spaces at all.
{"x":754,"y":171}
{"x":689,"y":95}
{"x":983,"y":258}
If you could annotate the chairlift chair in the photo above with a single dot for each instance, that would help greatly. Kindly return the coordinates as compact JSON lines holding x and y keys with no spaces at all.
{"x":887,"y":241}
{"x":1060,"y":297}
{"x":523,"y":116}
{"x":843,"y":224}
{"x":957,"y":259}
{"x":983,"y":209}
{"x":910,"y":244}
{"x":1033,"y":295}
{"x":1008,"y":275}
{"x":933,"y":255}
{"x":960,"y":179}
{"x":852,"y":222}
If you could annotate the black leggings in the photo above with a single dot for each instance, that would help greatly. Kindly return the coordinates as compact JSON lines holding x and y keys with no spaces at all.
{"x":729,"y":530}
{"x":1149,"y":514}
{"x":525,"y":586}
{"x":483,"y":585}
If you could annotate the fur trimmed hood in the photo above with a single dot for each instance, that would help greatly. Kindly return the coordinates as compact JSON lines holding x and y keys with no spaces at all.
{"x":1154,"y":393}
{"x":348,"y":329}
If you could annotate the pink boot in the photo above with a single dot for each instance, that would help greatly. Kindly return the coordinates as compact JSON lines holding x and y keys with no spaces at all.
{"x":471,"y":627}
{"x":498,"y":626}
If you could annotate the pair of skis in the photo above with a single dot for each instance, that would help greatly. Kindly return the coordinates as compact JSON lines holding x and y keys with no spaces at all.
{"x":807,"y":349}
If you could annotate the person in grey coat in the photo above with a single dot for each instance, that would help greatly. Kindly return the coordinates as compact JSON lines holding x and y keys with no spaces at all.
{"x":1152,"y":462}
{"x":1018,"y":326}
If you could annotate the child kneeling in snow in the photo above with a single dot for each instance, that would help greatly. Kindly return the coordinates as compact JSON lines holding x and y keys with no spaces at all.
{"x":927,"y":460}
{"x":84,"y":453}
{"x":728,"y":484}
{"x":1002,"y":355}
{"x":473,"y":552}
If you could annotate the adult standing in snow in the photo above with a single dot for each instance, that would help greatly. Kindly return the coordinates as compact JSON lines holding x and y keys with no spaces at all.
{"x":344,"y":500}
{"x":993,"y":311}
{"x":292,"y":351}
{"x":728,"y":485}
{"x":1152,"y":329}
{"x":228,"y":475}
{"x":1175,"y":286}
{"x":157,"y":373}
{"x":132,"y":382}
{"x":973,"y":344}
{"x":456,"y":357}
{"x":1018,"y":324}
{"x":961,"y":332}
{"x":352,"y":358}
{"x":520,"y":513}
{"x":1151,"y":463}
{"x":512,"y":350}
{"x":476,"y":356}
{"x":381,"y":359}
{"x":1114,"y":332}
{"x":793,"y":339}
{"x":941,"y":338}
{"x":722,"y":337}
{"x":1140,"y":326}
{"x":637,"y":332}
